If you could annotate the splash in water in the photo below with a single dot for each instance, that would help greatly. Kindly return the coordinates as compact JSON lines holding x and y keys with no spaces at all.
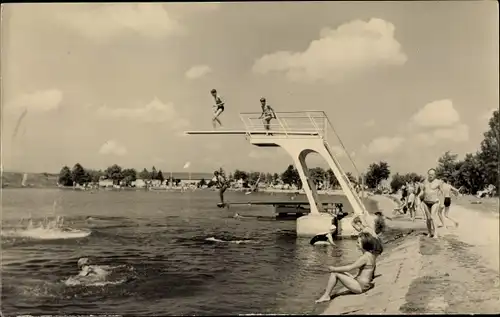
{"x":47,"y":229}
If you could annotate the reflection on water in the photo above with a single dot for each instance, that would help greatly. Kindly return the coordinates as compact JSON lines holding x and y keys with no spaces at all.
{"x":167,"y":253}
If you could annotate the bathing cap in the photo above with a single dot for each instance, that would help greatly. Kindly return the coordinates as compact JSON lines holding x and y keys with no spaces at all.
{"x":213,"y":91}
{"x":82,"y":262}
{"x":262,"y":99}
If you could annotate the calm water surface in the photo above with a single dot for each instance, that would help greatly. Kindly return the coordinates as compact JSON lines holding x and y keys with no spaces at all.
{"x":169,"y":254}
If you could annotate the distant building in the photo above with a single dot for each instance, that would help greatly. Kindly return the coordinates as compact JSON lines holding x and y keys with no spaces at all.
{"x":105,"y":183}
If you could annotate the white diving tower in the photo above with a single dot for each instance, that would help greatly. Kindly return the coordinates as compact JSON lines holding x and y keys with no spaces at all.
{"x":302,"y":133}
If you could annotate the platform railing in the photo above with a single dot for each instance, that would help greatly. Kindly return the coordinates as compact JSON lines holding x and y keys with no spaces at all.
{"x":293,"y":123}
{"x":288,"y":123}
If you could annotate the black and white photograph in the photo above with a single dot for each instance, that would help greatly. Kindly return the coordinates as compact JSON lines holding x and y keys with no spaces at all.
{"x":249,"y":158}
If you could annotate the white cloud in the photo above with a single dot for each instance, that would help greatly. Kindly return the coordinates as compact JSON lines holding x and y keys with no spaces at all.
{"x":370,"y":123}
{"x":111,"y":147}
{"x":38,"y":101}
{"x":103,"y":21}
{"x":154,"y":112}
{"x":352,"y":47}
{"x":198,"y":71}
{"x":458,"y":133}
{"x":384,"y":145}
{"x":439,"y":113}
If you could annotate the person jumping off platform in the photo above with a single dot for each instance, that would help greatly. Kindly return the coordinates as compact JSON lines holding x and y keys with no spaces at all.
{"x":218,"y":108}
{"x":222,"y":184}
{"x":267,"y":113}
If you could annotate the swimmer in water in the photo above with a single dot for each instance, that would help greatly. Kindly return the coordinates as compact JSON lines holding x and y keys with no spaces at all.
{"x":366,"y":264}
{"x":218,"y":108}
{"x":89,"y":270}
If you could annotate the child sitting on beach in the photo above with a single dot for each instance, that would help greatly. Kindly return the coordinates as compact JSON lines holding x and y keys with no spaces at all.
{"x":366,"y":265}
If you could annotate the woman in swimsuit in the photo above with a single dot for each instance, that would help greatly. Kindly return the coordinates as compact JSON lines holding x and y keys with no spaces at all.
{"x":366,"y":265}
{"x":218,"y":107}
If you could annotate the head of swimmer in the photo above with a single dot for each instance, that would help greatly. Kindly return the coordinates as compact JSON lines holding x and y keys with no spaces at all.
{"x":83,"y":262}
{"x":263,"y":102}
{"x":213,"y":92}
{"x":357,"y":224}
{"x":366,"y":242}
{"x":431,"y":174}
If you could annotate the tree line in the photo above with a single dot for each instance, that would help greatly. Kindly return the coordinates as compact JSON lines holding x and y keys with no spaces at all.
{"x":81,"y":176}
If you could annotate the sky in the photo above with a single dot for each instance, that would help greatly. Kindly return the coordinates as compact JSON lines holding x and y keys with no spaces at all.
{"x":99,"y":84}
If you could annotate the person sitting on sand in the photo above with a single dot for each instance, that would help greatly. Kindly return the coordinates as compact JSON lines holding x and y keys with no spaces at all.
{"x":366,"y":264}
{"x":380,"y":225}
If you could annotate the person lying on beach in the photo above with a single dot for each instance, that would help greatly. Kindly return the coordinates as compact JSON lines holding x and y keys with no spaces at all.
{"x":366,"y":264}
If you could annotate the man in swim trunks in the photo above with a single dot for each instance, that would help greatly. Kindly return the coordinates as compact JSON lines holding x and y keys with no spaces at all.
{"x":447,"y":190}
{"x":432,"y":189}
{"x":267,"y":113}
{"x":221,"y":183}
{"x":218,"y":107}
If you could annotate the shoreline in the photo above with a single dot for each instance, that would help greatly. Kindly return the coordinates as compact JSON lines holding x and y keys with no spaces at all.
{"x":456,"y":273}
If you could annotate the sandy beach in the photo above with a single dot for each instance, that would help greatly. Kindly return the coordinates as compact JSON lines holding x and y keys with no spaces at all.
{"x":457,"y":273}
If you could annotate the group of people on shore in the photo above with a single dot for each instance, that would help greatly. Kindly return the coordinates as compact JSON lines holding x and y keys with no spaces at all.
{"x":432,"y":198}
{"x":218,"y":108}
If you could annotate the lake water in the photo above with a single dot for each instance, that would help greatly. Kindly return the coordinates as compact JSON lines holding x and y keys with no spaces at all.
{"x":168,"y":254}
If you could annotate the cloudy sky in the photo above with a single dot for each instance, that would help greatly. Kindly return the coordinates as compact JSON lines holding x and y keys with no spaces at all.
{"x":119,"y":83}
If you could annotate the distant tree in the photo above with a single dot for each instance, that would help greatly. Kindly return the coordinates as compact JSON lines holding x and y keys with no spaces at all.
{"x":78,"y":174}
{"x":291,"y":177}
{"x":276,"y":179}
{"x":318,"y":175}
{"x":240,"y":175}
{"x":332,"y":179}
{"x":351,"y":178}
{"x":253,"y":177}
{"x":160,"y":176}
{"x":489,"y":152}
{"x":95,"y":176}
{"x":377,"y":172}
{"x":154,"y":173}
{"x":471,"y":174}
{"x":269,"y":178}
{"x":447,"y":166}
{"x":129,"y":175}
{"x":65,"y":178}
{"x":398,"y":180}
{"x":114,"y":173}
{"x":145,"y":175}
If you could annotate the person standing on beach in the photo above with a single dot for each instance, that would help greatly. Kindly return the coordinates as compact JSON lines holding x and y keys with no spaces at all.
{"x":267,"y":113}
{"x":218,"y":107}
{"x":447,"y":190}
{"x":432,"y":190}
